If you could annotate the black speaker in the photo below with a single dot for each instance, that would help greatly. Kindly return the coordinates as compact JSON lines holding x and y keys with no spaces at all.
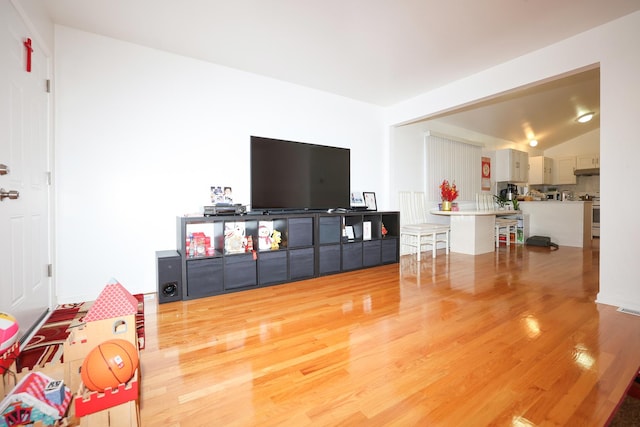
{"x":169,"y":268}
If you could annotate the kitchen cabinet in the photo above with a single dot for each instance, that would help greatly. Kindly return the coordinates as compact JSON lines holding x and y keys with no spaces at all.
{"x":540,"y":170}
{"x":512,"y":165}
{"x":564,"y":170}
{"x":588,"y":161}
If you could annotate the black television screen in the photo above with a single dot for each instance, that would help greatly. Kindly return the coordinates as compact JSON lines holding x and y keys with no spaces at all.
{"x":297,"y":175}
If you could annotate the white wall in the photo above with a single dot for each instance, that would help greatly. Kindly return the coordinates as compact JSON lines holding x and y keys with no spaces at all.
{"x":142,"y":135}
{"x":614,"y":46}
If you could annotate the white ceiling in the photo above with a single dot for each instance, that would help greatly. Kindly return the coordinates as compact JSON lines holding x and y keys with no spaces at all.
{"x":377,"y":51}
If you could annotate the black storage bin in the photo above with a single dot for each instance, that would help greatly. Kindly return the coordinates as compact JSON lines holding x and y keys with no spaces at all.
{"x":272,"y":267}
{"x":204,"y":277}
{"x":300,"y":232}
{"x":389,"y":250}
{"x":329,"y":259}
{"x":371,"y":253}
{"x":352,"y":256}
{"x":330,"y":229}
{"x":239,"y":271}
{"x":301,"y":263}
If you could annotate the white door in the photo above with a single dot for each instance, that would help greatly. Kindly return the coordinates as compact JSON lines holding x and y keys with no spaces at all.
{"x":25,"y":288}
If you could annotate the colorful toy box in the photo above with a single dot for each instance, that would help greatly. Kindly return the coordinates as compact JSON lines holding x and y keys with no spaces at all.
{"x":28,"y":402}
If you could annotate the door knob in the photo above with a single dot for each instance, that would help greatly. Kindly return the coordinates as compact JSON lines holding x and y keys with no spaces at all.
{"x":11,"y":194}
{"x":4,"y":169}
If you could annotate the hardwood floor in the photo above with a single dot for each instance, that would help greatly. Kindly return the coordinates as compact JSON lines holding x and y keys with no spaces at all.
{"x":512,"y":338}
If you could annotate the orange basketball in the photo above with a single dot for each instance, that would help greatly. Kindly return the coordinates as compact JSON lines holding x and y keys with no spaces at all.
{"x":109,"y":364}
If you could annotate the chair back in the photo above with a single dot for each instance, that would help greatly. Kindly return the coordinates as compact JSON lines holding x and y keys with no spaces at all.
{"x":412,"y":207}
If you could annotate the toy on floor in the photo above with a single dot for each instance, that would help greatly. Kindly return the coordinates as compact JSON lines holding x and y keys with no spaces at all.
{"x":33,"y":402}
{"x":8,"y":331}
{"x":109,"y":364}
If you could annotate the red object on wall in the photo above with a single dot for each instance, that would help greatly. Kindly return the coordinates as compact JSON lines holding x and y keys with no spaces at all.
{"x":486,"y":173}
{"x":29,"y":47}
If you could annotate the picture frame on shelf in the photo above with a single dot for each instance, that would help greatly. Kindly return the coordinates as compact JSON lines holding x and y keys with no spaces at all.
{"x":370,"y":200}
{"x":349,"y":233}
{"x":357,"y":200}
{"x":366,"y":230}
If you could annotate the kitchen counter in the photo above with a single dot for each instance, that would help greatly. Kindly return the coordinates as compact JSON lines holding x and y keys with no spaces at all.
{"x":567,"y":223}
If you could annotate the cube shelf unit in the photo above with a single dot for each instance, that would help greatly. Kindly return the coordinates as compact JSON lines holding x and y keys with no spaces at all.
{"x":312,"y":244}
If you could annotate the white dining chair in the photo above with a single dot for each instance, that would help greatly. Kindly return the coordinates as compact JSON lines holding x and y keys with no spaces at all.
{"x":415,"y":232}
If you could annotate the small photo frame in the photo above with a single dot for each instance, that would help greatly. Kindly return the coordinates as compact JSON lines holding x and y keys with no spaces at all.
{"x":370,"y":200}
{"x":348,"y":231}
{"x":357,"y":200}
{"x":366,"y":230}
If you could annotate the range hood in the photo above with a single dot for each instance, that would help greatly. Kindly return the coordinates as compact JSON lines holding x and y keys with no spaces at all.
{"x":587,"y":172}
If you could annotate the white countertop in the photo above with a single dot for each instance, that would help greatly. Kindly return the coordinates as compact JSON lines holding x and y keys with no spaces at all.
{"x":481,"y":212}
{"x":557,"y":202}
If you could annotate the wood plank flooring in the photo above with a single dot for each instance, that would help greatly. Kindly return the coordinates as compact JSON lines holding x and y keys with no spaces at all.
{"x":511,"y":338}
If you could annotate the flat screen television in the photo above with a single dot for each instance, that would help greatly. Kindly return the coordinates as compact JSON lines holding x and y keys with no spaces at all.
{"x":288,"y":175}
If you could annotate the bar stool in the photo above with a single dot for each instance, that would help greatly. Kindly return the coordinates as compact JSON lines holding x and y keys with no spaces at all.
{"x":505,"y":226}
{"x":419,"y":235}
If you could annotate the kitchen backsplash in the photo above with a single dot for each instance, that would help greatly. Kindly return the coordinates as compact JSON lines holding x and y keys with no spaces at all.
{"x":584,"y":185}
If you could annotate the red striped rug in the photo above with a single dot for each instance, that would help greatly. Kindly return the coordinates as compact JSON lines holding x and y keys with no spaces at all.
{"x":47,"y":344}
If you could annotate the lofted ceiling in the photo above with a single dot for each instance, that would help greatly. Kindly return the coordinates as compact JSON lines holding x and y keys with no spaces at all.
{"x":376,"y":51}
{"x":546,"y":112}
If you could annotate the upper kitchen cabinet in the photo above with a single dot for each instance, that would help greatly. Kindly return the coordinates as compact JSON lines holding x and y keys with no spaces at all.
{"x":512,"y":165}
{"x":540,"y":170}
{"x":564,"y":170}
{"x":588,"y":161}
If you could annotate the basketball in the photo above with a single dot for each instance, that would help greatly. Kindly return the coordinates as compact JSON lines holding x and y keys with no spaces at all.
{"x":8,"y":331}
{"x":109,"y":364}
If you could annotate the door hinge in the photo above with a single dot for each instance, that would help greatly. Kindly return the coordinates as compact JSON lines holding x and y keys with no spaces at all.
{"x":48,"y":85}
{"x":49,"y":270}
{"x":49,"y":178}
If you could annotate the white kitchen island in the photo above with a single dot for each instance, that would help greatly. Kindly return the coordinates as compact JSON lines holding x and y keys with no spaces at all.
{"x":473,"y":232}
{"x":566,"y":223}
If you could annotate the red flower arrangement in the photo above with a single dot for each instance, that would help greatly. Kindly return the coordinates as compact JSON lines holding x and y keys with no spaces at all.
{"x":448,"y":192}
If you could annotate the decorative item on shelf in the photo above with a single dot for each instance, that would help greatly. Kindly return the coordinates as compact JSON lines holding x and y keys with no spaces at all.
{"x":366,"y":230}
{"x":370,"y":200}
{"x":234,"y":239}
{"x":448,"y":193}
{"x":265,"y":229}
{"x":276,"y":239}
{"x":349,"y":232}
{"x":384,"y":231}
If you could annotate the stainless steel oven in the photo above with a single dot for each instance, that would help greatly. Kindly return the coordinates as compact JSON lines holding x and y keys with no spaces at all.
{"x":595,"y":228}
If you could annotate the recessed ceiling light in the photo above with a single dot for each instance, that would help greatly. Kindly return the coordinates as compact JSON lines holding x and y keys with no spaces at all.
{"x":585,"y":117}
{"x":533,"y":143}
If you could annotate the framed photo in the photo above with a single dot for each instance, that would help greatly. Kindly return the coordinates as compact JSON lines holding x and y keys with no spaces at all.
{"x":348,"y":231}
{"x":357,"y":200}
{"x":366,"y":230}
{"x":486,"y":173}
{"x":370,"y":201}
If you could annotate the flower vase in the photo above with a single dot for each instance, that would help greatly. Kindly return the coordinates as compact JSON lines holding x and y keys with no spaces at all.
{"x":446,"y":205}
